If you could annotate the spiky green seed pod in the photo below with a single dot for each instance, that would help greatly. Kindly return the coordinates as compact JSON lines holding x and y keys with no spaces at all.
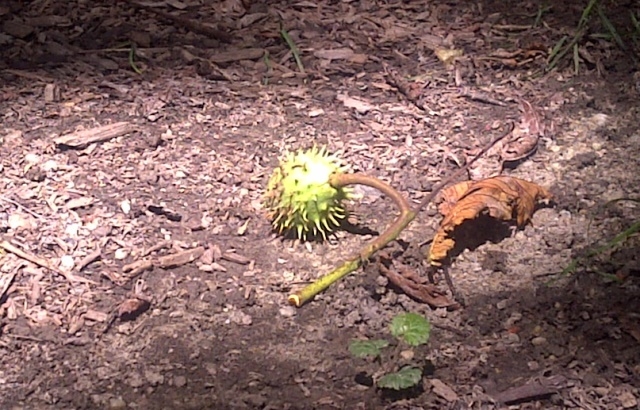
{"x":299,"y":197}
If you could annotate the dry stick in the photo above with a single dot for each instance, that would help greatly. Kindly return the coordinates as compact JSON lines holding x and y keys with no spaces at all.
{"x":41,"y":262}
{"x":193,"y":25}
{"x":406,"y":216}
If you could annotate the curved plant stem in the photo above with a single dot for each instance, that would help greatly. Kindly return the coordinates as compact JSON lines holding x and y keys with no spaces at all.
{"x":407,"y":214}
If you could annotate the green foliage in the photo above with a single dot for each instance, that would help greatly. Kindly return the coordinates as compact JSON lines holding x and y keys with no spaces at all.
{"x":412,"y":328}
{"x":570,"y":46}
{"x":407,"y":377}
{"x":367,"y":348}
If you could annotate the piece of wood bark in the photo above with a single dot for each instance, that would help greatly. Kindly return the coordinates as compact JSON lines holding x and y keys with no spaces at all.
{"x":81,"y":139}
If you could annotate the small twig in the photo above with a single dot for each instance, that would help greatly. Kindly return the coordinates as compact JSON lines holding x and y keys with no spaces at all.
{"x":451,"y":329}
{"x":24,"y":208}
{"x":41,"y":262}
{"x":530,"y":391}
{"x":90,"y":258}
{"x":158,"y":246}
{"x":81,"y":139}
{"x":457,"y":174}
{"x":454,"y":294}
{"x":178,"y":259}
{"x":136,"y":268}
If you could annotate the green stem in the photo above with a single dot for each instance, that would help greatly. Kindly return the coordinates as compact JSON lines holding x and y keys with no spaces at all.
{"x":391,"y":233}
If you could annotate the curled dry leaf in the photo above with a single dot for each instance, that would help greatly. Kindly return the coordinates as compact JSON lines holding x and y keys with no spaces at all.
{"x":525,"y":137}
{"x":504,"y":198}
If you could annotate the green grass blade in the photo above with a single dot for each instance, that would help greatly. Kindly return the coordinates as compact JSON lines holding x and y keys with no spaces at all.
{"x":294,"y":49}
{"x":610,"y":27}
{"x":586,"y":14}
{"x":556,"y":53}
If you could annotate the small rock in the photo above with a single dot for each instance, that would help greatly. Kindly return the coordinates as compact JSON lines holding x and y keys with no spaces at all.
{"x":539,"y":341}
{"x":513,"y":338}
{"x":50,"y":165}
{"x":287,"y":311}
{"x":513,"y":319}
{"x":502,"y":304}
{"x":533,"y":365}
{"x":585,"y":315}
{"x":31,"y":158}
{"x":179,"y":381}
{"x":407,"y":354}
{"x":120,"y":254}
{"x":67,"y":262}
{"x":628,"y":400}
{"x":117,"y":403}
{"x":125,"y":206}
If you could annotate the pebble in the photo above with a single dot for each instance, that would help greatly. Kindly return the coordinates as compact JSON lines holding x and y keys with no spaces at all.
{"x":50,"y":165}
{"x":287,"y":311}
{"x":120,"y":254}
{"x":407,"y":354}
{"x":513,"y":319}
{"x":67,"y":262}
{"x":539,"y":341}
{"x":628,"y":400}
{"x":179,"y":381}
{"x":117,"y":403}
{"x":32,"y":158}
{"x":125,"y":206}
{"x":502,"y":304}
{"x":513,"y":338}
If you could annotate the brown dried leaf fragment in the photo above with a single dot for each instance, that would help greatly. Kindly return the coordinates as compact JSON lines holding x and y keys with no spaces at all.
{"x":407,"y":279}
{"x":503,"y":198}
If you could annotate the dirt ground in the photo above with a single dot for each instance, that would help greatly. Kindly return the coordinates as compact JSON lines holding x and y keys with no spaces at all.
{"x":97,"y":312}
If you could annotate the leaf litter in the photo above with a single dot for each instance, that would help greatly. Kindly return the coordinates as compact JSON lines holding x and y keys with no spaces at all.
{"x":210,"y":96}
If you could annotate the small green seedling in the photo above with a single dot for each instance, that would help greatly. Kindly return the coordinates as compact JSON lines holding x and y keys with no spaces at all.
{"x":410,"y":329}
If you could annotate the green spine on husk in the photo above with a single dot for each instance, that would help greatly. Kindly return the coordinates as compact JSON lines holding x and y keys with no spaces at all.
{"x":299,"y":195}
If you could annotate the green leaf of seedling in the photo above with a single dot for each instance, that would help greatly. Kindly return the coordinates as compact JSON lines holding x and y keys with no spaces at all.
{"x":413,"y":328}
{"x":367,"y":348}
{"x":407,"y":377}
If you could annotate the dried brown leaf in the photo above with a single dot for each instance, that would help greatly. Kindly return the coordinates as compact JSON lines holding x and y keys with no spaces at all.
{"x":503,"y":198}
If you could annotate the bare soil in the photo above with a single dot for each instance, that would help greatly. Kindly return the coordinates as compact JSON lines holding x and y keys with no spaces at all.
{"x":207,"y":119}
